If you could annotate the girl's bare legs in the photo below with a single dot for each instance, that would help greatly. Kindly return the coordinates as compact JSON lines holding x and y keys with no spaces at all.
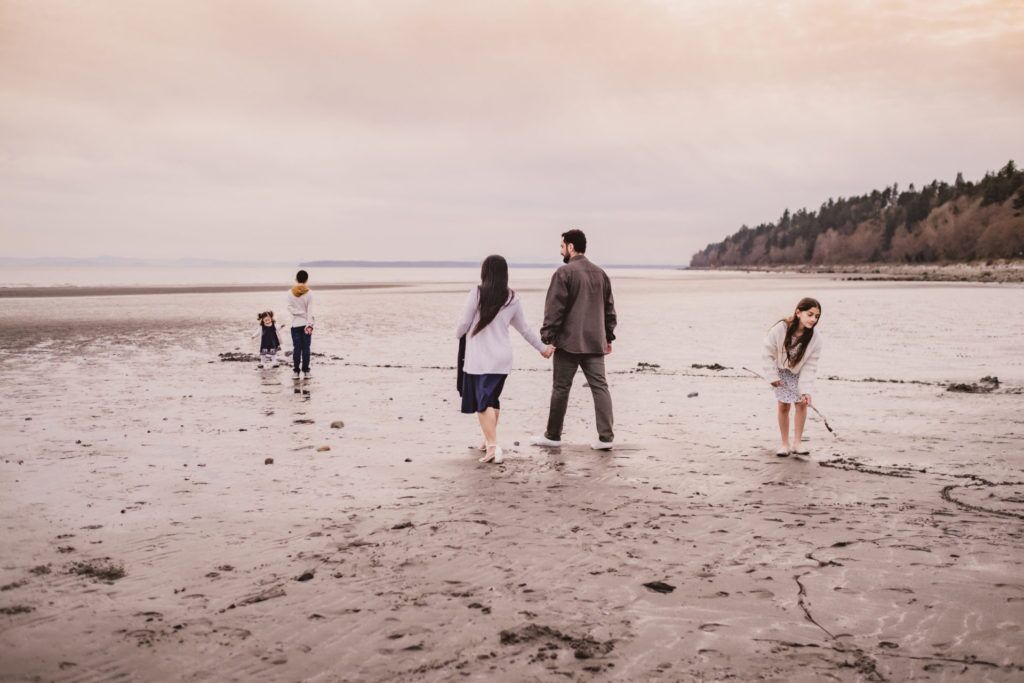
{"x":497,"y":413}
{"x":798,"y":424}
{"x":784,"y":424}
{"x":489,"y":426}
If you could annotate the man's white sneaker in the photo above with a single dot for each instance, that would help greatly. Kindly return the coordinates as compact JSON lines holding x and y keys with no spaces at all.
{"x":308,"y":375}
{"x":601,"y":445}
{"x":295,"y":375}
{"x":544,"y":441}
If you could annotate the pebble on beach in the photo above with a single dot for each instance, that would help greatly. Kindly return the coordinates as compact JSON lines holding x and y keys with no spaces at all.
{"x":268,"y":461}
{"x":659,"y":587}
{"x":322,"y":449}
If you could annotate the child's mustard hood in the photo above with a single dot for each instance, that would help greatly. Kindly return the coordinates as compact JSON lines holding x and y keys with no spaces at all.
{"x":299,"y":290}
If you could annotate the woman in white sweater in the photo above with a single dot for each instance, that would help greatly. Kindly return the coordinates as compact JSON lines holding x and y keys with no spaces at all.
{"x":791,"y":352}
{"x":490,"y":309}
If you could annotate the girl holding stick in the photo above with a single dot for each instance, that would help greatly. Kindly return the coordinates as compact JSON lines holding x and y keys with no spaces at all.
{"x":790,"y":355}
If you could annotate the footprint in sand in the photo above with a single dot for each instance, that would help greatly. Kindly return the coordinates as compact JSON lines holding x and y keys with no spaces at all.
{"x":143,"y":636}
{"x":711,"y":628}
{"x":150,"y":616}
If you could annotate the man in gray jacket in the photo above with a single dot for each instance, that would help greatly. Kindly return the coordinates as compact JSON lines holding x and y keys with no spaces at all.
{"x":579,"y":321}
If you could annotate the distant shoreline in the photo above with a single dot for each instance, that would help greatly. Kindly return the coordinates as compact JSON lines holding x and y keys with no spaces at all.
{"x":129,"y":290}
{"x":466,"y":264}
{"x":1008,"y":272}
{"x":103,"y":262}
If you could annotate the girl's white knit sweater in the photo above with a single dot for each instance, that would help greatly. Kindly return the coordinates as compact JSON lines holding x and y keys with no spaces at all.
{"x":490,"y":351}
{"x":775,"y":358}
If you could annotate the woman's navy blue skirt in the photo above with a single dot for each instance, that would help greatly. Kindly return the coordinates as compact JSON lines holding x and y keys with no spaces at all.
{"x":480,"y":392}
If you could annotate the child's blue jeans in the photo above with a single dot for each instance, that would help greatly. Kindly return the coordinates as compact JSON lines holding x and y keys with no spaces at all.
{"x":301,"y":345}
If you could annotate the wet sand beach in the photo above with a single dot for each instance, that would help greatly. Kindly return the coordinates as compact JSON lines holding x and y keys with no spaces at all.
{"x":111,"y":290}
{"x":144,"y":537}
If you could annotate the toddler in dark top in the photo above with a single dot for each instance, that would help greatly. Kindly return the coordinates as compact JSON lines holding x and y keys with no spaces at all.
{"x":270,"y":343}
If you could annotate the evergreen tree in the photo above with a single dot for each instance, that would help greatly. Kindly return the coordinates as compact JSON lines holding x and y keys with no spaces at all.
{"x":885,"y":225}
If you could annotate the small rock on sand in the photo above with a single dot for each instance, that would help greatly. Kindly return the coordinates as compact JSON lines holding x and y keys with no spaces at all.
{"x":337,"y":424}
{"x":659,"y":587}
{"x":692,"y":394}
{"x":268,"y":461}
{"x":323,"y":449}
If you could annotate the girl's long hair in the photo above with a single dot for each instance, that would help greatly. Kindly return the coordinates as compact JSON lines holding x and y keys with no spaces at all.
{"x":795,"y":355}
{"x":494,"y":291}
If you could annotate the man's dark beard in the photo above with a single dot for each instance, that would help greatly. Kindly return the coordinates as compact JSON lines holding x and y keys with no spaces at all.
{"x":565,"y":259}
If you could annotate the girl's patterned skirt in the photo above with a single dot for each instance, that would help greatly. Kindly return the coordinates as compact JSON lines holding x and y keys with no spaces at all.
{"x":789,"y":391}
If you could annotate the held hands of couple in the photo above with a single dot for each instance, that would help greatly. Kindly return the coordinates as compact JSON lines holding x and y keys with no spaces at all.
{"x":550,"y":350}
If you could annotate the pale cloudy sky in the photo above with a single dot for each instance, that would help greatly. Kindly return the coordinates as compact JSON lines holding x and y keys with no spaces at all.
{"x":436,"y":129}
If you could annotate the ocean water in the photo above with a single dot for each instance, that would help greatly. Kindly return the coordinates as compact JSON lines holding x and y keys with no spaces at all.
{"x":935,"y":332}
{"x":257,"y":275}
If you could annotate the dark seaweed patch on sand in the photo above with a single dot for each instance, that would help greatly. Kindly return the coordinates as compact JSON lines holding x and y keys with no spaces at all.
{"x":102,"y":570}
{"x":583,"y":648}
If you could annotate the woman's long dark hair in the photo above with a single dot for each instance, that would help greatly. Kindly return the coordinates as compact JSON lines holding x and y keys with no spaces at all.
{"x":793,"y":324}
{"x":494,"y":291}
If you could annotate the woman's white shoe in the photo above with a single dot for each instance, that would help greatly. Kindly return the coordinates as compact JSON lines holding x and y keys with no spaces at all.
{"x":496,"y":455}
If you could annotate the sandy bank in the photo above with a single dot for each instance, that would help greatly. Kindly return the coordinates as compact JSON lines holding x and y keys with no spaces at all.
{"x":981,"y":271}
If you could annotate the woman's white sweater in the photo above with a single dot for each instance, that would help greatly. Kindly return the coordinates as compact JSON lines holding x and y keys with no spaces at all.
{"x":775,"y":358}
{"x":490,"y":351}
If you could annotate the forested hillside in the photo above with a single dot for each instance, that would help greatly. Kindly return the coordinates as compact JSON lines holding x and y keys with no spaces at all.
{"x":940,"y":222}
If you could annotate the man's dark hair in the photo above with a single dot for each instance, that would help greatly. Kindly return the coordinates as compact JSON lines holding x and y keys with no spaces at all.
{"x":301,"y":277}
{"x":577,"y":239}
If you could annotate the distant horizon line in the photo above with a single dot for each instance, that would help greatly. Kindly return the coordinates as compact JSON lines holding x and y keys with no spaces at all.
{"x":188,"y":262}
